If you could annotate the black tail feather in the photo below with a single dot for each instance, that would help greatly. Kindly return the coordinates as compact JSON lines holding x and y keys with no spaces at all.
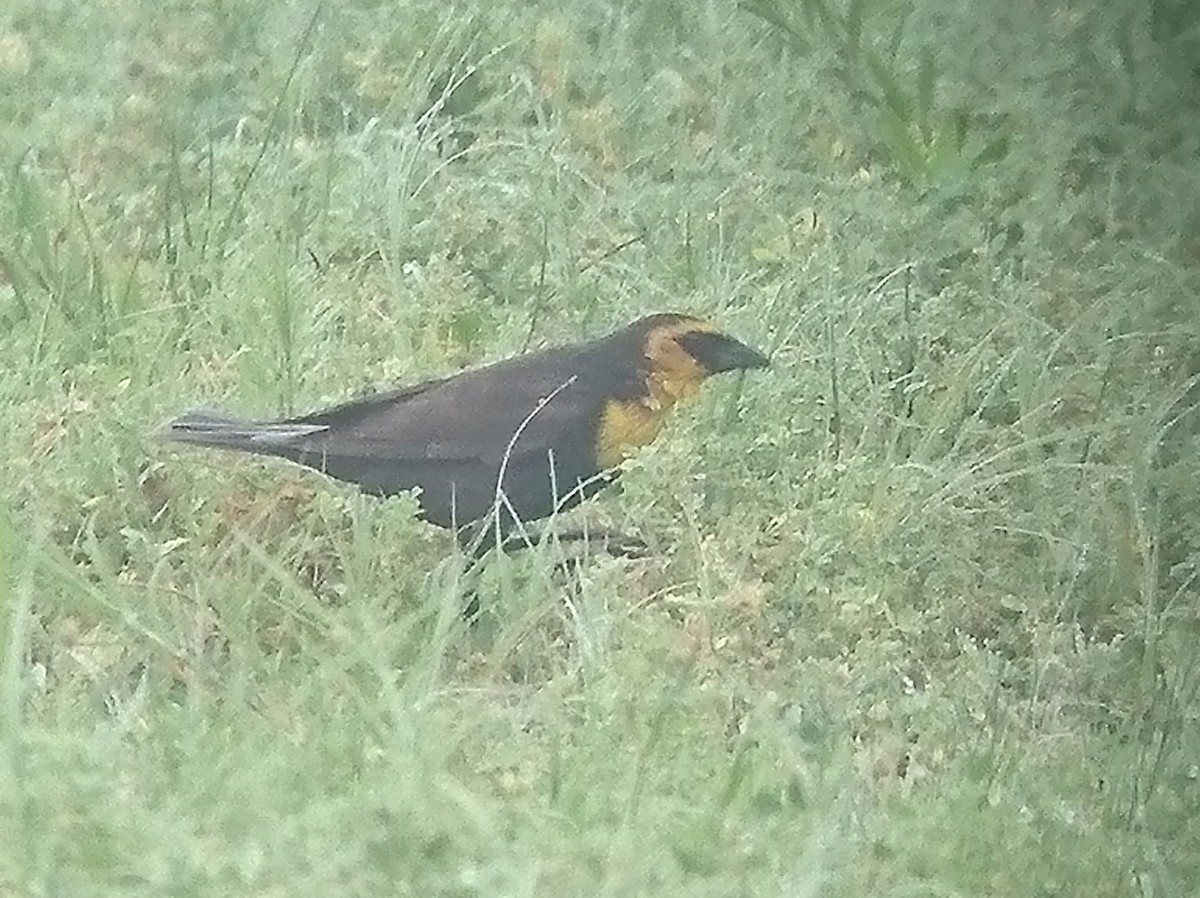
{"x":207,"y":429}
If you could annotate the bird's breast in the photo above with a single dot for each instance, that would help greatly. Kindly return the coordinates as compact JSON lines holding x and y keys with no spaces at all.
{"x":625,"y":426}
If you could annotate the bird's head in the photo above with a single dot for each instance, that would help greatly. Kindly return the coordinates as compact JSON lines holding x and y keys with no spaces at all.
{"x":675,"y":353}
{"x":682,"y":351}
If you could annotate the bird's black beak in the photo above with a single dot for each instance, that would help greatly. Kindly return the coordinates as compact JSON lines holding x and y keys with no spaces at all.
{"x":717,"y":352}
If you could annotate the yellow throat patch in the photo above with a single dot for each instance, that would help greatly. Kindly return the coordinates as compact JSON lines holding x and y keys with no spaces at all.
{"x":672,"y":375}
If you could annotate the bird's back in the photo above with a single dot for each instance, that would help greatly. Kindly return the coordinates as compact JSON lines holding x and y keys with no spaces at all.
{"x":534,"y":416}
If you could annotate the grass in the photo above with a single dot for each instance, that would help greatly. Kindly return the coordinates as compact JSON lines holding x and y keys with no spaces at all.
{"x":921,"y":615}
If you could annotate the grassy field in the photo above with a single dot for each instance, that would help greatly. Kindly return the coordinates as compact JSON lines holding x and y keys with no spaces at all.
{"x":921,"y":613}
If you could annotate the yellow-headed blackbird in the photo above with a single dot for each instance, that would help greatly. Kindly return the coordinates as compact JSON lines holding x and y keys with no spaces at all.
{"x":527,"y":436}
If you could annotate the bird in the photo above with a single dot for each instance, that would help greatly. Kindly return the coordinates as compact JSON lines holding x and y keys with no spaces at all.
{"x":498,"y":446}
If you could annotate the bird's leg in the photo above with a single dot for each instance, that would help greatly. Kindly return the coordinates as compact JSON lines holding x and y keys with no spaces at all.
{"x":607,"y":540}
{"x":477,"y":539}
